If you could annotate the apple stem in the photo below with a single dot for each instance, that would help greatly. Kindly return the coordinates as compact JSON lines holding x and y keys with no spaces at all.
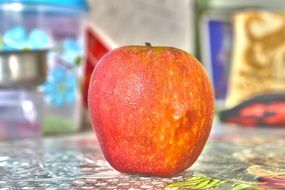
{"x":148,"y":44}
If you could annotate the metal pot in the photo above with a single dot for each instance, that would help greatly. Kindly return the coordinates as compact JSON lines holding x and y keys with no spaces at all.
{"x":23,"y":68}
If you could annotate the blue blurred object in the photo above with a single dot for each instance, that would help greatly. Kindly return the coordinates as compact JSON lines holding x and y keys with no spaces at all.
{"x":219,"y":35}
{"x":216,"y":37}
{"x":17,"y":38}
{"x":75,"y":4}
{"x":60,"y":87}
{"x":72,"y":51}
{"x":38,"y":39}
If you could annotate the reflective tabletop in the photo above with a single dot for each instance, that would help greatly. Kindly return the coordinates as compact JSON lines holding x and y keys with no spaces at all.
{"x":235,"y":158}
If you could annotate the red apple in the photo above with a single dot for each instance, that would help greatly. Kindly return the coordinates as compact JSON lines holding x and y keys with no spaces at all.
{"x":151,"y":109}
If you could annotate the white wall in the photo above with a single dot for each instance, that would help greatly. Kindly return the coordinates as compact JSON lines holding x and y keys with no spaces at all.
{"x":160,"y":22}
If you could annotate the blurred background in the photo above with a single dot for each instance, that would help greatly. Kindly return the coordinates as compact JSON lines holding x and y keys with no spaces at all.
{"x":48,"y":50}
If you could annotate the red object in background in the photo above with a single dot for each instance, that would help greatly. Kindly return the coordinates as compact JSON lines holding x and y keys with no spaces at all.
{"x":272,"y":182}
{"x":97,"y":45}
{"x":264,"y":110}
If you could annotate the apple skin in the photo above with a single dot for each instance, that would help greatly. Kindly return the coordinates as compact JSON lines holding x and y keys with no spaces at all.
{"x":151,"y":108}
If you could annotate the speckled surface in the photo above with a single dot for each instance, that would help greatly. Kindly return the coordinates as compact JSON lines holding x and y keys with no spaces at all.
{"x":65,"y":163}
{"x":237,"y":156}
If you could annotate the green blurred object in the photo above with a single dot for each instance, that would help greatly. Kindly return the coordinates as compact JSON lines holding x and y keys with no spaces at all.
{"x":57,"y":125}
{"x":241,"y":4}
{"x":246,"y":187}
{"x":201,"y":182}
{"x":197,"y":181}
{"x":1,"y":43}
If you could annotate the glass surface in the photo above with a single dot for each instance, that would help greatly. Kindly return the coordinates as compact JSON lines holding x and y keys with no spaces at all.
{"x":234,"y":159}
{"x":20,"y":114}
{"x":61,"y":31}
